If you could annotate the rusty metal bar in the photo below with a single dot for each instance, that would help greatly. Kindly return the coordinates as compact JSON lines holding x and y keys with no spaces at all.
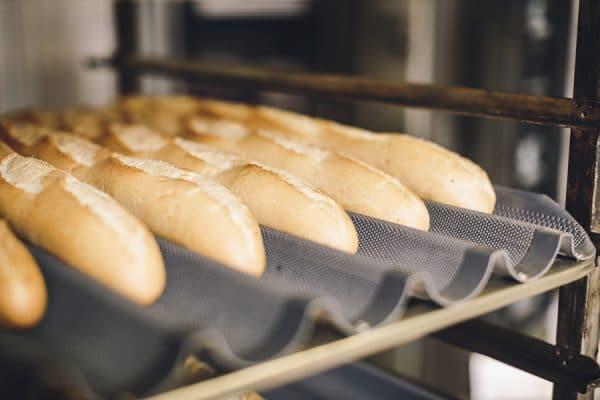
{"x":579,"y":302}
{"x":460,"y":100}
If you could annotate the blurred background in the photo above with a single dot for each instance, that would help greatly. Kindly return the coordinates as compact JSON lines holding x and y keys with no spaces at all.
{"x":512,"y":45}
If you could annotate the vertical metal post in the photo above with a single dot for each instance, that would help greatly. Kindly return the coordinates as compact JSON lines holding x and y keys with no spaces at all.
{"x":579,"y":310}
{"x":125,"y":13}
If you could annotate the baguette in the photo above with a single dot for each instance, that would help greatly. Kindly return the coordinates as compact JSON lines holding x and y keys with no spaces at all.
{"x":22,"y":290}
{"x":431,"y":171}
{"x":278,"y":199}
{"x":80,"y":225}
{"x":181,"y":206}
{"x":355,"y":185}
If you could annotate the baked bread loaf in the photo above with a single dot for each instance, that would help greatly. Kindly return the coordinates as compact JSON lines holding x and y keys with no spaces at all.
{"x":432,"y":172}
{"x":22,"y":289}
{"x":178,"y":205}
{"x":80,"y":225}
{"x":278,"y":199}
{"x":355,"y":185}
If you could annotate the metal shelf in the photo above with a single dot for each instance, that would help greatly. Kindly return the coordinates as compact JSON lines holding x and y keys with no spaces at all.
{"x":422,"y":318}
{"x":579,"y":300}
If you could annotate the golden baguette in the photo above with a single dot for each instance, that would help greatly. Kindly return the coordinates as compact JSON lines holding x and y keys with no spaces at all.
{"x":80,"y":225}
{"x":433,"y":172}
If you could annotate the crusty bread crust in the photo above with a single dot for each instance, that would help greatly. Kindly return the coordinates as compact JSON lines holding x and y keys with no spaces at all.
{"x":23,"y":294}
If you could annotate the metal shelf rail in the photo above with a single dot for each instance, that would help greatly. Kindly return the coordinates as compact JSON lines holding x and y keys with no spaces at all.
{"x":566,"y":363}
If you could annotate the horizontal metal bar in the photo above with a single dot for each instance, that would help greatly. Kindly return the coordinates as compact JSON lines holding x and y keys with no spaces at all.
{"x":556,"y":364}
{"x":467,"y":101}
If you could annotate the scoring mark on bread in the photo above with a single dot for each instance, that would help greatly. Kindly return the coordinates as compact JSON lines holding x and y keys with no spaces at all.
{"x":216,"y":158}
{"x":315,"y":153}
{"x":353,"y":132}
{"x":386,"y":179}
{"x":26,"y":134}
{"x":217,"y":127}
{"x":304,"y":188}
{"x":25,"y":173}
{"x":237,"y":211}
{"x":110,"y":213}
{"x":152,"y":167}
{"x":299,"y":122}
{"x":80,"y":150}
{"x":104,"y":206}
{"x":138,"y":138}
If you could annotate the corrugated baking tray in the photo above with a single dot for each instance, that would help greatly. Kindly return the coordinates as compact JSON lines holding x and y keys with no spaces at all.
{"x":105,"y":345}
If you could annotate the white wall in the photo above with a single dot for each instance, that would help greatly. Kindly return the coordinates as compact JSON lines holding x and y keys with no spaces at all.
{"x":43,"y":47}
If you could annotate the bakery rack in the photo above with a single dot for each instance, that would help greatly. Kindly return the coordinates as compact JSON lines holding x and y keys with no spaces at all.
{"x":571,"y":363}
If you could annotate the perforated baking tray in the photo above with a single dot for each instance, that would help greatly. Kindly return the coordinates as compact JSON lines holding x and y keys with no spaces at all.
{"x":105,"y":345}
